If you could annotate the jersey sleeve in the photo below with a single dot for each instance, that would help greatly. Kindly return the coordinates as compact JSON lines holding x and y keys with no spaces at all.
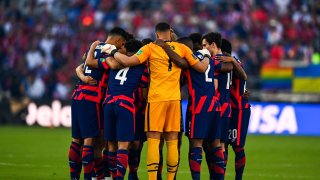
{"x":102,"y":63}
{"x":145,"y":78}
{"x":188,"y":55}
{"x":143,"y":54}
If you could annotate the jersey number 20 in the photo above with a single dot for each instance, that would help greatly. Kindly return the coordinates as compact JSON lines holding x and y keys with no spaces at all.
{"x":122,"y":75}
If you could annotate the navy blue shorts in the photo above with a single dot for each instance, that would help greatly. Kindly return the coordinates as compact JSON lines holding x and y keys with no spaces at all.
{"x":118,"y":123}
{"x":225,"y":122}
{"x":203,"y":125}
{"x":140,"y":135}
{"x":238,"y":128}
{"x":85,"y":119}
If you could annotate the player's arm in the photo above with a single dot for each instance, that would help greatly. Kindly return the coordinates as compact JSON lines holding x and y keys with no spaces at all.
{"x":144,"y":93}
{"x":174,"y":57}
{"x":121,"y":58}
{"x":201,"y":66}
{"x":113,"y":64}
{"x":90,"y":61}
{"x":215,"y":83}
{"x":86,"y":79}
{"x":236,"y":66}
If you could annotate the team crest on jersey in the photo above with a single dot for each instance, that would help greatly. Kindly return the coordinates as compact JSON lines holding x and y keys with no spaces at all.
{"x":139,"y":52}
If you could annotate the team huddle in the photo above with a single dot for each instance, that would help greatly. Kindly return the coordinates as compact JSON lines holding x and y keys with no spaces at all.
{"x":129,"y":92}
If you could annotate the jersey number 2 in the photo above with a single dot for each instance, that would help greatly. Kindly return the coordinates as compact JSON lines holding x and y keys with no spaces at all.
{"x":122,"y":75}
{"x":207,"y":74}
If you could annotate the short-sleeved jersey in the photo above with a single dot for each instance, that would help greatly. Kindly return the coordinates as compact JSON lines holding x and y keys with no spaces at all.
{"x":164,"y":74}
{"x":94,"y":93}
{"x":201,"y":89}
{"x":237,"y":90}
{"x":122,"y":85}
{"x":223,"y":91}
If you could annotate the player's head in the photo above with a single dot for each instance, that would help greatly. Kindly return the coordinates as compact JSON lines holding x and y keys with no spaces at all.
{"x":196,"y":40}
{"x":212,"y":42}
{"x":163,"y":31}
{"x":146,"y":41}
{"x":226,"y":47}
{"x":132,"y":46}
{"x":118,"y":37}
{"x":186,"y":41}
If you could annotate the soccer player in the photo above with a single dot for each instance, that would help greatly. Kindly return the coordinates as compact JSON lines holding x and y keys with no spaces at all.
{"x":86,"y":119}
{"x":120,"y":109}
{"x":140,"y":107}
{"x":212,"y":42}
{"x":99,"y":142}
{"x":118,"y":37}
{"x":163,"y":108}
{"x":203,"y":108}
{"x":241,"y":111}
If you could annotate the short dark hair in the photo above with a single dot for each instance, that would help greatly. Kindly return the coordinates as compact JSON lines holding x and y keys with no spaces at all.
{"x":213,"y":37}
{"x":226,"y":46}
{"x":162,"y":26}
{"x":133,"y":45}
{"x":196,"y":38}
{"x":119,"y":32}
{"x":184,"y":40}
{"x":146,"y":41}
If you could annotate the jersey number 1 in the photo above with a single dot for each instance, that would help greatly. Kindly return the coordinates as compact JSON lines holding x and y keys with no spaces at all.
{"x":122,"y":75}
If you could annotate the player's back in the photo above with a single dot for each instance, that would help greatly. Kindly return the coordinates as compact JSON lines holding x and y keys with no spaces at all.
{"x":164,"y":74}
{"x":201,"y":87}
{"x":224,"y":82}
{"x":95,"y":92}
{"x":124,"y":82}
{"x":237,"y":90}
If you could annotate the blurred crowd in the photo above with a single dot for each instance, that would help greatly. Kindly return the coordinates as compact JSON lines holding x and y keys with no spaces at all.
{"x":42,"y":41}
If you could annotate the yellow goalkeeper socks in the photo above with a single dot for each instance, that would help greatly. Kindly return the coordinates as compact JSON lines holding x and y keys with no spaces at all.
{"x":172,"y":158}
{"x":153,"y":158}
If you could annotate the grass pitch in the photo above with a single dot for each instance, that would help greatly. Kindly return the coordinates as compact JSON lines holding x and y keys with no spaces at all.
{"x":41,"y":153}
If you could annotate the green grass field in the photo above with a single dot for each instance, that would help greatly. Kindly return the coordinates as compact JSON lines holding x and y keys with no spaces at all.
{"x":40,"y":153}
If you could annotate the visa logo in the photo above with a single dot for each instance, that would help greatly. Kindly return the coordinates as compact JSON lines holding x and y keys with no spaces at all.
{"x":271,"y":119}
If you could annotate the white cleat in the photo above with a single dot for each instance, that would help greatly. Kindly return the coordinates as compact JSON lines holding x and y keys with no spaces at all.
{"x":107,"y":178}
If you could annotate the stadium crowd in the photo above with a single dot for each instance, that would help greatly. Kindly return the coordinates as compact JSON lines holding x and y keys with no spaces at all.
{"x":42,"y":41}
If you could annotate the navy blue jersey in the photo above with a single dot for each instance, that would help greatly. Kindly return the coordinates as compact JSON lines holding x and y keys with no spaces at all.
{"x":223,"y":93}
{"x":94,"y":93}
{"x":237,"y":89}
{"x":122,"y":85}
{"x":201,"y":88}
{"x":139,"y":102}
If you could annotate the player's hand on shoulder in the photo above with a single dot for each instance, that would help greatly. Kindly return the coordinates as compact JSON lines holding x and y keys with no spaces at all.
{"x":89,"y":80}
{"x":94,"y":44}
{"x":246,"y":94}
{"x":205,"y":52}
{"x":225,"y":58}
{"x":108,"y":48}
{"x":159,"y":42}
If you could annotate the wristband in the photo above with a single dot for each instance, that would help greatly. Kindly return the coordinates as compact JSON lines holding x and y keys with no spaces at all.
{"x":113,"y":52}
{"x":207,"y":55}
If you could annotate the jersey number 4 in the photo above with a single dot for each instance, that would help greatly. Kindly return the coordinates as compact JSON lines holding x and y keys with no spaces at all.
{"x":122,"y":75}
